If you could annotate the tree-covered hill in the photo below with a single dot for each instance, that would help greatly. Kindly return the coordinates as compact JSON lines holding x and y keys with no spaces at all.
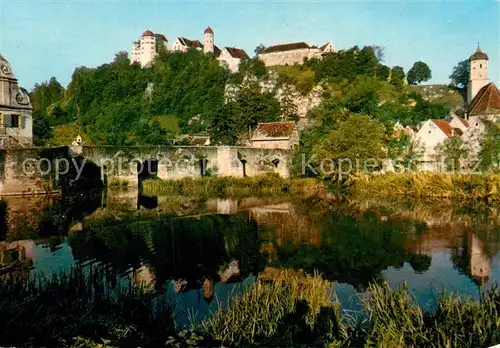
{"x":121,"y":103}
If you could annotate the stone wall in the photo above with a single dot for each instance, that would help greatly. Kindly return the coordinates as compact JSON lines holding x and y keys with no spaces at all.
{"x":27,"y":171}
{"x":176,"y":162}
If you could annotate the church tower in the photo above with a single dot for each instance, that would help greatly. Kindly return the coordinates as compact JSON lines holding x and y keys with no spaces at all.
{"x":208,"y":42}
{"x":478,"y":64}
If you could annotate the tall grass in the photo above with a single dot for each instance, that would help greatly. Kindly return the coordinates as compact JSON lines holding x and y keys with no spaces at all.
{"x":82,"y":303}
{"x":270,"y":184}
{"x":84,"y":309}
{"x":287,"y":310}
{"x":442,"y":185}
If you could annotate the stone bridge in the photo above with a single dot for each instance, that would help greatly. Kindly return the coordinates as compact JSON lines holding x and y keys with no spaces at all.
{"x":42,"y":170}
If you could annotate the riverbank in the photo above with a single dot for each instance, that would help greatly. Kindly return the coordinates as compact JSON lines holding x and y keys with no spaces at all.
{"x":89,"y":309}
{"x":434,"y":185}
{"x":265,"y":185}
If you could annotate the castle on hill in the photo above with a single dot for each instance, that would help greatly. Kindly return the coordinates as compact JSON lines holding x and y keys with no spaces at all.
{"x":150,"y":44}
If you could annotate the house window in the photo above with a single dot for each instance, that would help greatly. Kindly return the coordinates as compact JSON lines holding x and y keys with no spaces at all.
{"x":14,"y":121}
{"x":480,"y":65}
{"x":429,"y":132}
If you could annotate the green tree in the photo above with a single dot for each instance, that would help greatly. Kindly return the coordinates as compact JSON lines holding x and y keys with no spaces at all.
{"x":42,"y":132}
{"x":489,"y":156}
{"x":359,"y":139}
{"x":397,"y":77}
{"x":460,"y":74}
{"x":419,"y":72}
{"x":452,"y":153}
{"x":258,"y":50}
{"x":288,"y":110}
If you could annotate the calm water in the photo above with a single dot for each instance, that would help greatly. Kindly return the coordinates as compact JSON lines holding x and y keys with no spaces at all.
{"x":201,"y":252}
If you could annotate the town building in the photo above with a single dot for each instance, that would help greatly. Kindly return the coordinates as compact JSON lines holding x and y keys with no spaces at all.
{"x":293,"y":53}
{"x":432,"y":134}
{"x":16,"y":120}
{"x":147,"y":47}
{"x":275,"y":135}
{"x":478,"y":63}
{"x":230,"y":57}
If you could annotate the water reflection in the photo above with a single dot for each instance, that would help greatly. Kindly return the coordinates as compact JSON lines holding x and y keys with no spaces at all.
{"x":198,"y":250}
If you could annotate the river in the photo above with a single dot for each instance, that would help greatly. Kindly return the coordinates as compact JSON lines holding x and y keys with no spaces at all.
{"x":200,"y":252}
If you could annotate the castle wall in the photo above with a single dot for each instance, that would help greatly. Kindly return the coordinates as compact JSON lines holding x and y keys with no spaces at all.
{"x":289,"y":57}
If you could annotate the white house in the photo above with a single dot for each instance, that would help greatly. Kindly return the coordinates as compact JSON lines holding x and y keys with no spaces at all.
{"x":432,"y":134}
{"x":147,"y":47}
{"x":275,"y":135}
{"x":16,"y":120}
{"x":231,"y":57}
{"x":182,"y":44}
{"x":293,"y":53}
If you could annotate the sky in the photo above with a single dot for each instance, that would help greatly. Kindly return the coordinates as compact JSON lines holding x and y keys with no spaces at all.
{"x":43,"y":38}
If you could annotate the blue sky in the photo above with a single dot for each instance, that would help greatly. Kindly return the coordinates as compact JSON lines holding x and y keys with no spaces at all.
{"x":50,"y":38}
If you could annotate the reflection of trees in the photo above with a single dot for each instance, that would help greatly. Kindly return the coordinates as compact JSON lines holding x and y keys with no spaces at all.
{"x":191,"y":249}
{"x":352,"y":250}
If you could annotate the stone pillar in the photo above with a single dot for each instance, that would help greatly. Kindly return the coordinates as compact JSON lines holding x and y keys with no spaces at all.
{"x":228,"y":163}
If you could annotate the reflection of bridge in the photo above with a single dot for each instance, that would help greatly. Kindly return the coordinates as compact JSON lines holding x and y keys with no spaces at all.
{"x":40,"y":170}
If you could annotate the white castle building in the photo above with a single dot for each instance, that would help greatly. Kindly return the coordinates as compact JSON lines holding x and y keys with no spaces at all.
{"x":293,"y":53}
{"x":16,"y":120}
{"x":147,"y":47}
{"x":478,"y":73}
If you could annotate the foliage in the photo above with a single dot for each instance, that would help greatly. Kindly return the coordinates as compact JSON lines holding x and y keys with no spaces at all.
{"x":460,"y":74}
{"x":42,"y":132}
{"x":298,"y":76}
{"x":266,"y":312}
{"x":419,"y":72}
{"x":249,"y":107}
{"x":397,"y":77}
{"x":357,"y":140}
{"x":64,"y":135}
{"x":258,"y":50}
{"x":270,"y":184}
{"x":490,"y":149}
{"x":81,"y":303}
{"x":452,"y":153}
{"x":253,"y":67}
{"x":346,"y":64}
{"x":444,"y":185}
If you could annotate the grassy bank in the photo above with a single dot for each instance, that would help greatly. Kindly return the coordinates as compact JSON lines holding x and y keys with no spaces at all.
{"x":271,"y":184}
{"x":438,"y":185}
{"x":81,"y":310}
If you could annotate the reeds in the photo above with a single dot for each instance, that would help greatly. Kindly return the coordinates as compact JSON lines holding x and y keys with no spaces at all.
{"x":265,"y":185}
{"x":424,"y":184}
{"x":83,"y":303}
{"x":276,"y":312}
{"x":83,"y":308}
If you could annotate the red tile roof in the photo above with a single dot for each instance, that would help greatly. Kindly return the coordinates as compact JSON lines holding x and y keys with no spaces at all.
{"x":444,"y":126}
{"x":478,"y":55}
{"x":191,"y":43}
{"x":273,"y":130}
{"x":464,"y":121}
{"x":237,"y":53}
{"x":486,"y":101}
{"x":286,"y":47}
{"x":147,"y":33}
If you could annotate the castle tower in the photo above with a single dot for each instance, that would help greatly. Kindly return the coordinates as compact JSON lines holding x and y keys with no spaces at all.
{"x":478,"y":63}
{"x":208,"y":42}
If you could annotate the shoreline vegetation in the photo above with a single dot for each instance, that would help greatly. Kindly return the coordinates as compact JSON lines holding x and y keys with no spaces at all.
{"x":418,"y":185}
{"x":431,"y":185}
{"x":88,"y":308}
{"x":264,"y":185}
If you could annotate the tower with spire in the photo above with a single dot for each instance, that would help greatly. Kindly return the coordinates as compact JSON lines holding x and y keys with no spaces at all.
{"x":208,"y":42}
{"x":478,"y":63}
